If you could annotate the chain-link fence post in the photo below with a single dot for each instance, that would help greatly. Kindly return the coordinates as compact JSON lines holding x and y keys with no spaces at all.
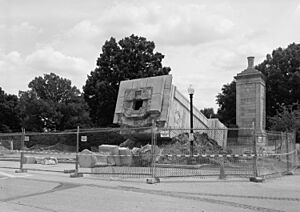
{"x":152,"y":152}
{"x":275,"y":147}
{"x":77,"y":174}
{"x":154,"y":178}
{"x":287,"y":151}
{"x":255,"y":173}
{"x":222,"y":175}
{"x":255,"y":177}
{"x":295,"y":149}
{"x":11,"y":145}
{"x":21,"y":170}
{"x":288,"y":158}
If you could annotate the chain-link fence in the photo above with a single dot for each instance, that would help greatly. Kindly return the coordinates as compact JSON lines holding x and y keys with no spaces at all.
{"x":103,"y":152}
{"x":151,"y":152}
{"x":277,"y":153}
{"x":38,"y":151}
{"x":197,"y":153}
{"x":134,"y":157}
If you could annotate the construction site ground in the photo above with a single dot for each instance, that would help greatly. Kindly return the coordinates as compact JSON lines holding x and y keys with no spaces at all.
{"x":58,"y":192}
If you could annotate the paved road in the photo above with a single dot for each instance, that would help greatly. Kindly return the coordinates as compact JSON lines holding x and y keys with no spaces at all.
{"x":50,"y":191}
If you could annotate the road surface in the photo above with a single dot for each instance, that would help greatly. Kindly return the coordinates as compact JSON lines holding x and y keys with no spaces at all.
{"x":38,"y":191}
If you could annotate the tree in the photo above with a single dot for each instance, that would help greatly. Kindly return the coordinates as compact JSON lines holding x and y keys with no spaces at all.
{"x":132,"y":57}
{"x":287,"y":118}
{"x":282,"y":72}
{"x":227,"y":105}
{"x":209,"y":113}
{"x":9,"y":114}
{"x":52,"y":103}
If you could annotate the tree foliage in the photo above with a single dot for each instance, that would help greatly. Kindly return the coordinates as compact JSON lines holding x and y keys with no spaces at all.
{"x":282,"y":72}
{"x":9,"y":114}
{"x":130,"y":58}
{"x":52,"y":103}
{"x":209,"y":113}
{"x":287,"y":118}
{"x":227,"y":104}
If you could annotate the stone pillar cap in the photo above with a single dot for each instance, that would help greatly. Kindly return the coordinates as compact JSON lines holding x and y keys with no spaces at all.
{"x":250,"y":71}
{"x":250,"y":61}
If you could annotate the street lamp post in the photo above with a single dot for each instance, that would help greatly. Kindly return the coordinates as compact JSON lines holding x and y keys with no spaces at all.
{"x":191,"y":93}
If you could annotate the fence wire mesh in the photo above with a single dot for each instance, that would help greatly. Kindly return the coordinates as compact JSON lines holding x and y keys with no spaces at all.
{"x":277,"y":153}
{"x":152,"y":152}
{"x":205,"y":152}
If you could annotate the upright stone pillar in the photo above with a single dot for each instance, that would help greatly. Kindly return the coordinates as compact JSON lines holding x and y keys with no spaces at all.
{"x":251,"y":98}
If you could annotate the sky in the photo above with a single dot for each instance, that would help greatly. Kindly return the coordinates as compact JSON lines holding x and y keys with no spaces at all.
{"x":205,"y":42}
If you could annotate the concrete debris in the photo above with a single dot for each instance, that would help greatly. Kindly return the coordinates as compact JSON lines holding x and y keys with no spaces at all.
{"x":125,"y":156}
{"x":111,"y":153}
{"x":146,"y":154}
{"x":136,"y":158}
{"x":27,"y":159}
{"x":88,"y":159}
{"x":143,"y":156}
{"x":39,"y":160}
{"x":128,"y":143}
{"x":49,"y":161}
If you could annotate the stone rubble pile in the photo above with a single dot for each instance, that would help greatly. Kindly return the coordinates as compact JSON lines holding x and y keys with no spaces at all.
{"x":128,"y":154}
{"x":202,"y":145}
{"x":30,"y":159}
{"x":180,"y":145}
{"x":112,"y":155}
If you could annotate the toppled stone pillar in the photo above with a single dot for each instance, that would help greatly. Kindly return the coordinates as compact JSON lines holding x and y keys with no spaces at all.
{"x":155,"y":99}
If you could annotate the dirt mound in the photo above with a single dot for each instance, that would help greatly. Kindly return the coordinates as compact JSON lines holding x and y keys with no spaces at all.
{"x":202,"y":145}
{"x":180,"y":145}
{"x":206,"y":145}
{"x":2,"y":148}
{"x":57,"y":147}
{"x":131,"y":143}
{"x":5,"y":145}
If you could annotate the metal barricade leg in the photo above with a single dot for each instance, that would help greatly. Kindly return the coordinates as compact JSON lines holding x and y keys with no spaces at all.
{"x":154,"y":179}
{"x":76,"y":173}
{"x":21,"y":170}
